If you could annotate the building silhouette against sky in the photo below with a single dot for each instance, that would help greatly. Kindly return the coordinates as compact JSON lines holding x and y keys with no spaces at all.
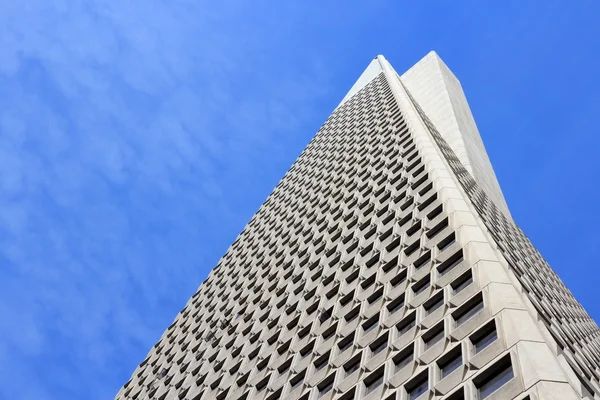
{"x":384,"y":265}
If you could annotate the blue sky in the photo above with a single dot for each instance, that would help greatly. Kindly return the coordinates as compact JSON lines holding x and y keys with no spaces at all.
{"x":138,"y":137}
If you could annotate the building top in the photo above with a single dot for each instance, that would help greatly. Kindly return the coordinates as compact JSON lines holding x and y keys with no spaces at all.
{"x":439,"y":93}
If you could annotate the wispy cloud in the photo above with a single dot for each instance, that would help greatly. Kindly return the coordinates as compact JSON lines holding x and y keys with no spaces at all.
{"x":120,"y":126}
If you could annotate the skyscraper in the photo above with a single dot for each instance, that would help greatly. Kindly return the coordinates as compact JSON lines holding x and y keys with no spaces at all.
{"x":384,"y":265}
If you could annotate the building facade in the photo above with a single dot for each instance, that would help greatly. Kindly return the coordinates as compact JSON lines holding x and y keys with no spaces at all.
{"x":384,"y":265}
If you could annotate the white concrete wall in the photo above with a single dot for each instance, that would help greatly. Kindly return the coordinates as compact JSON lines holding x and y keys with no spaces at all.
{"x":441,"y":97}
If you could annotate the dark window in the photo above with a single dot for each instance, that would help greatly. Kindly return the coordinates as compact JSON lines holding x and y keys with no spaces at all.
{"x":375,"y":296}
{"x":378,"y":346}
{"x":420,"y":286}
{"x":460,"y":395}
{"x":346,"y":343}
{"x":406,"y":324}
{"x":351,"y":366}
{"x":307,"y":349}
{"x":433,"y":336}
{"x":469,"y":310}
{"x":447,"y":242}
{"x":396,"y":305}
{"x":494,"y":378}
{"x":450,"y":263}
{"x":484,"y":337}
{"x":404,"y":358}
{"x":330,"y":332}
{"x":373,"y":382}
{"x":326,"y":386}
{"x":321,"y":362}
{"x":398,"y":279}
{"x":434,"y":303}
{"x":417,"y":387}
{"x":450,"y":362}
{"x":462,"y":282}
{"x":352,"y":314}
{"x":370,"y":324}
{"x":297,"y":380}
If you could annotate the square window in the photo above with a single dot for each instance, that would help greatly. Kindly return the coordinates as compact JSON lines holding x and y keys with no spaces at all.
{"x":398,"y":279}
{"x":325,"y":387}
{"x":346,"y":343}
{"x":352,"y":315}
{"x":297,"y":380}
{"x":321,"y":362}
{"x":404,"y":358}
{"x":447,"y":242}
{"x":373,"y":382}
{"x":484,"y":337}
{"x":396,"y":305}
{"x":330,"y":332}
{"x":417,"y":387}
{"x":433,"y":336}
{"x":450,"y":263}
{"x":468,"y":311}
{"x":351,"y":366}
{"x":498,"y":377}
{"x":420,"y":286}
{"x":450,"y":363}
{"x":462,"y":282}
{"x":378,"y":346}
{"x":406,"y":325}
{"x":434,"y":303}
{"x":375,"y":296}
{"x":370,"y":324}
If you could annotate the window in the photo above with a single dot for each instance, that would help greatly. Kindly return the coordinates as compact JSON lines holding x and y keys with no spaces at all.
{"x":434,"y":303}
{"x":330,"y":332}
{"x":420,"y":286}
{"x":406,"y":324}
{"x":398,"y":279}
{"x":450,"y":362}
{"x":370,"y":324}
{"x":433,"y":336}
{"x":494,"y":378}
{"x":346,"y":342}
{"x":283,"y":368}
{"x":352,"y":314}
{"x":404,"y":358}
{"x":469,"y":310}
{"x":421,"y":261}
{"x":375,"y":296}
{"x":417,"y":387}
{"x":306,"y":350}
{"x":447,"y":242}
{"x":484,"y":337}
{"x":325,"y":315}
{"x":297,"y":380}
{"x":462,"y":282}
{"x":326,"y":386}
{"x":438,"y":228}
{"x":379,"y":345}
{"x":347,"y":298}
{"x":262,"y":365}
{"x":459,"y":395}
{"x":321,"y":362}
{"x":450,"y":263}
{"x":396,"y":305}
{"x":373,"y":381}
{"x":351,"y":366}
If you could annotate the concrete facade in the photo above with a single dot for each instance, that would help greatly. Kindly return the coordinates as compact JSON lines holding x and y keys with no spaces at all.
{"x":381,"y":267}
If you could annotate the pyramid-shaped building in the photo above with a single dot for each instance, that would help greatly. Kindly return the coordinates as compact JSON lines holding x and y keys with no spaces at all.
{"x":384,"y":265}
